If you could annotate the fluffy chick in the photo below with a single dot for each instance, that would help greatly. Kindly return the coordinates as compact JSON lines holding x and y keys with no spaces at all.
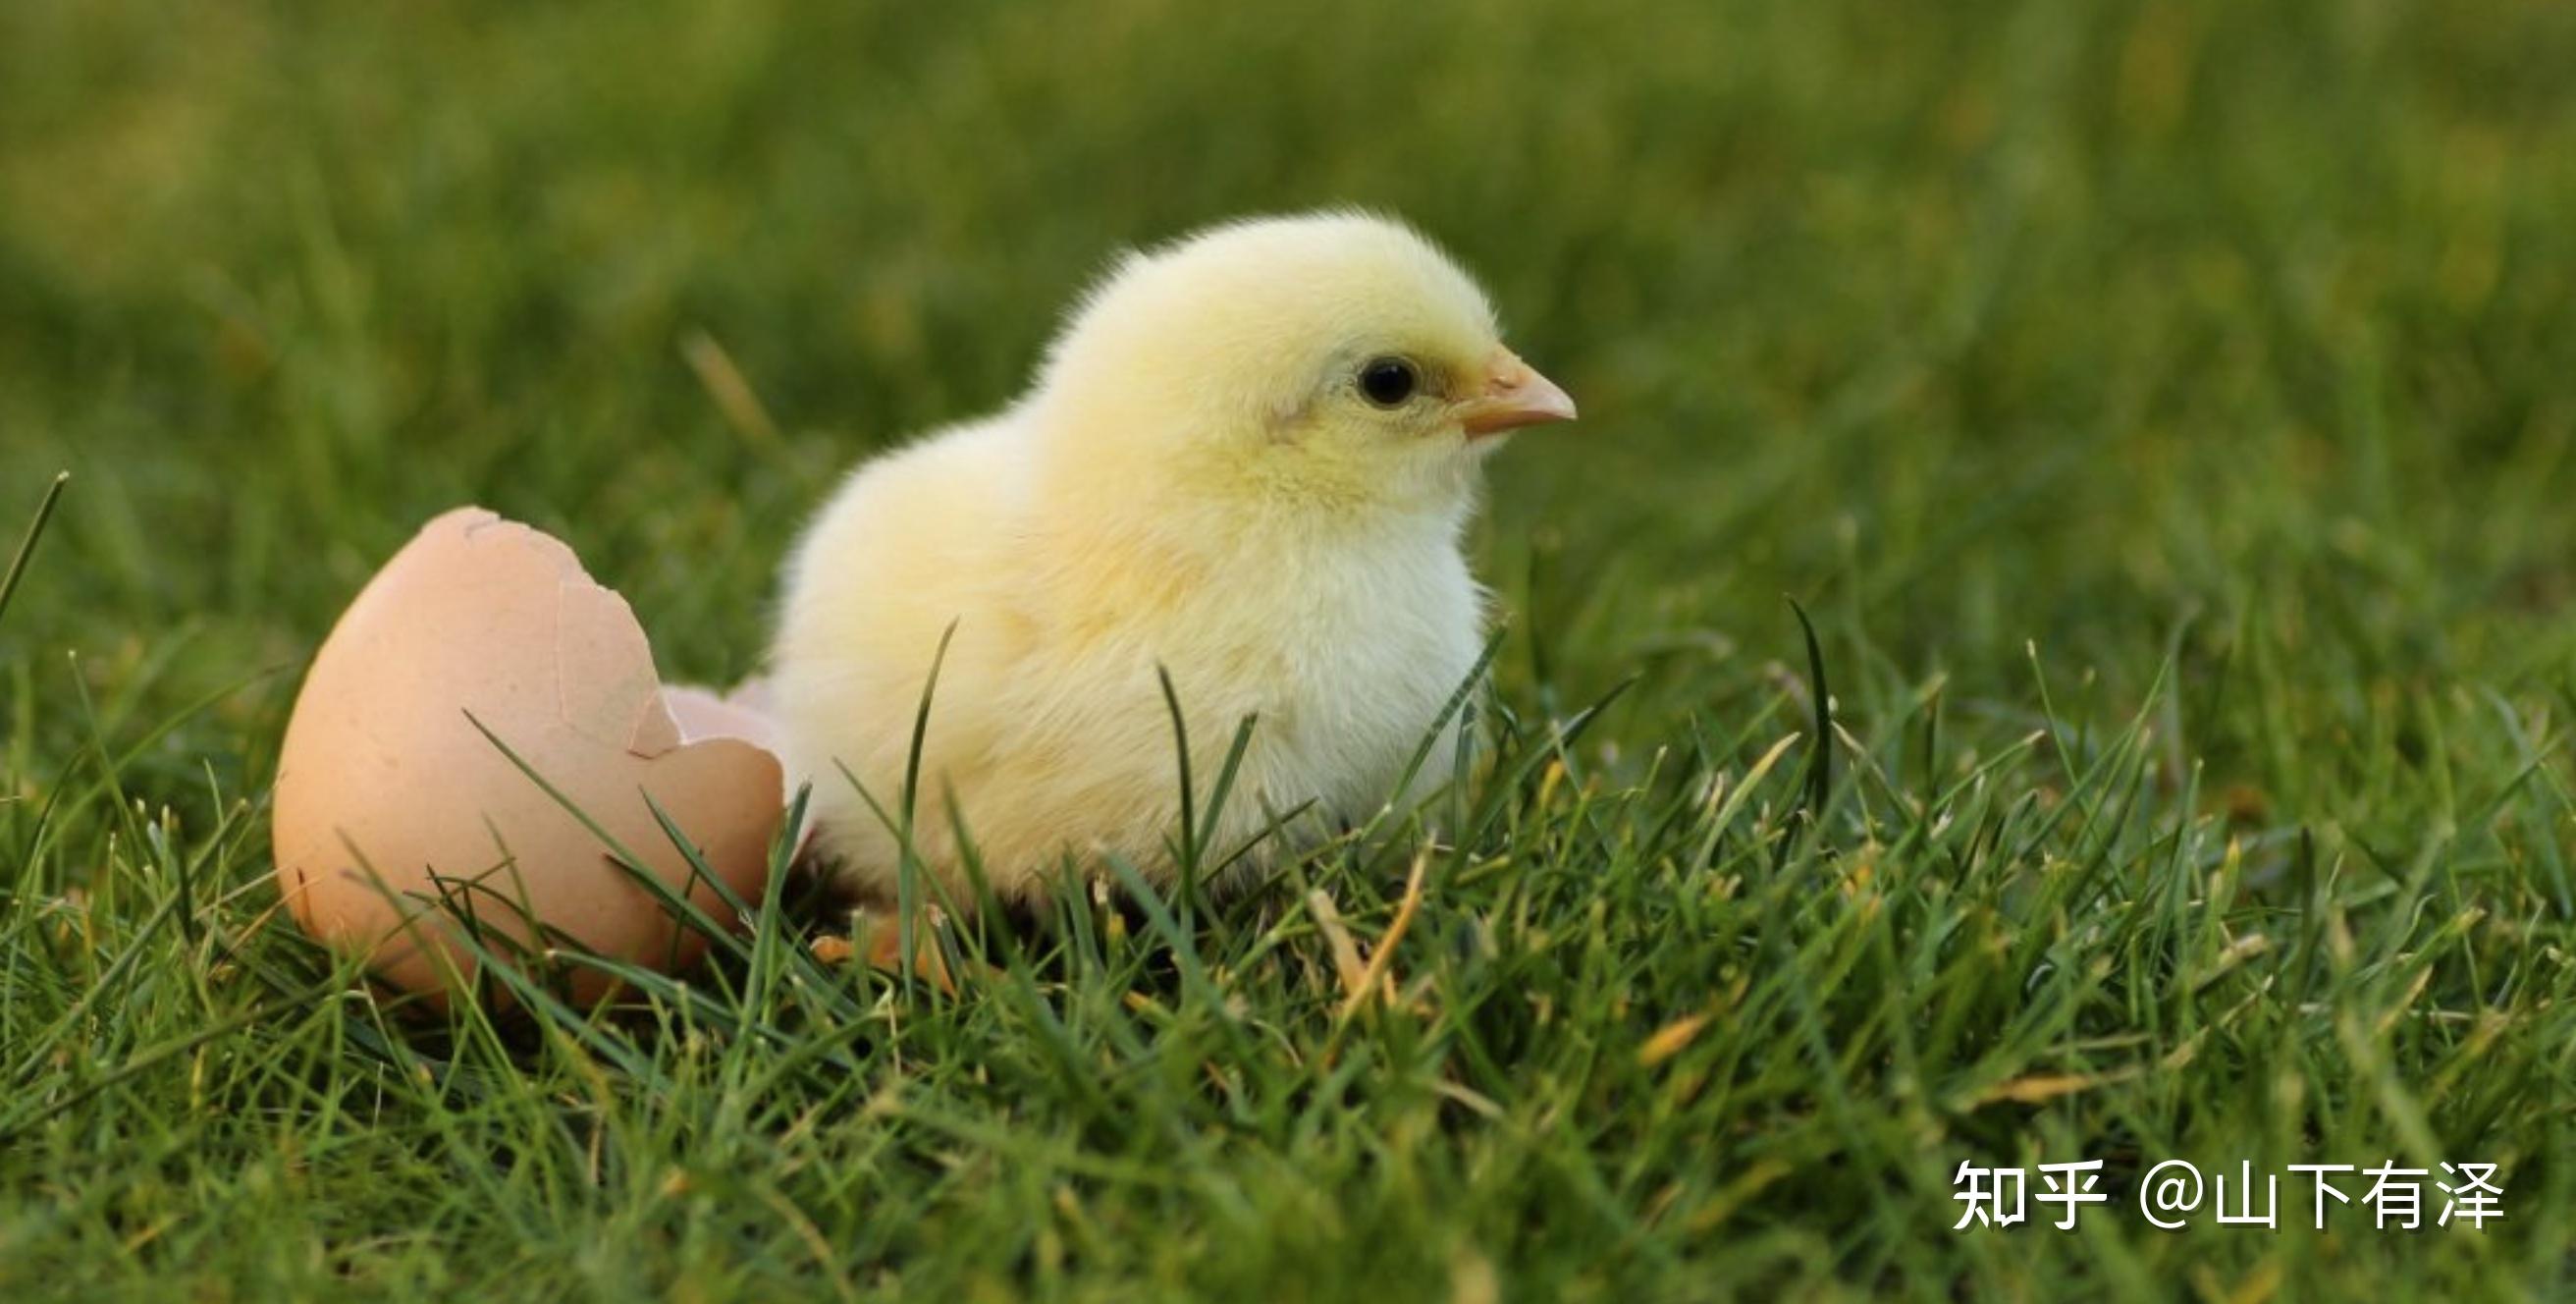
{"x":1248,"y":460}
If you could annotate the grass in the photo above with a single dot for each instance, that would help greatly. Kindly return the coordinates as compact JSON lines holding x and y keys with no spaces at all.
{"x":2160,"y":408}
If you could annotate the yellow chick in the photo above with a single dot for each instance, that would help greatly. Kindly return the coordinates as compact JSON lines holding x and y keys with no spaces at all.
{"x":1247,"y":460}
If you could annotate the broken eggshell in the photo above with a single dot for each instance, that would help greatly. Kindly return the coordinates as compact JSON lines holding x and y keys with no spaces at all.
{"x":390,"y":800}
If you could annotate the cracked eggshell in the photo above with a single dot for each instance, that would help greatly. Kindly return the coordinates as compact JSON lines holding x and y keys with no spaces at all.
{"x":384,"y":784}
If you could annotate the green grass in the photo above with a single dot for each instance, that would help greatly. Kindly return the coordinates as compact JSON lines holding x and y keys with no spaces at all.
{"x":2164,"y":410}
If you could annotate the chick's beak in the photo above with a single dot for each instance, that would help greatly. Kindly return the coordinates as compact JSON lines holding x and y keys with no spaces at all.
{"x":1515,"y":395}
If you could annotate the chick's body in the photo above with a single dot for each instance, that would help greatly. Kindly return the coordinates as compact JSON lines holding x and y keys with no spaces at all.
{"x":1202,"y":481}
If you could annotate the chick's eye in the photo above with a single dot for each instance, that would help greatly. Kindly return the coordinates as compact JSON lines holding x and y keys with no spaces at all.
{"x":1389,"y":381}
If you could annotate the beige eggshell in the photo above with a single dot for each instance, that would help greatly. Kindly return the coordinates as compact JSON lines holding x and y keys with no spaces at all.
{"x":384,"y":782}
{"x":743,"y":714}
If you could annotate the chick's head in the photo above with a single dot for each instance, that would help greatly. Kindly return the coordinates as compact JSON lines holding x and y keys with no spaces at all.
{"x":1335,"y":359}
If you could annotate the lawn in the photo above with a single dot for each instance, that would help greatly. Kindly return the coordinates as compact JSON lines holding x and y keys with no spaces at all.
{"x":2165,"y":412}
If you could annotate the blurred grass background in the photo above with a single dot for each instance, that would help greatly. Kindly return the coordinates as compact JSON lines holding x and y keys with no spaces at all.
{"x":2234,"y":339}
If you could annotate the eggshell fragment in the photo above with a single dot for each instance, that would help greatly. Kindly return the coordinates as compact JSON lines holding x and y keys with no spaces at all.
{"x":743,"y":714}
{"x":389,"y":797}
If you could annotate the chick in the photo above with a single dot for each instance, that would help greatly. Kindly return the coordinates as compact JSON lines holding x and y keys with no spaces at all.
{"x":1246,"y":460}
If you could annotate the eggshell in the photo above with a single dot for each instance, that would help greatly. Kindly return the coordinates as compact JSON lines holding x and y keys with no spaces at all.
{"x":743,"y":714}
{"x":387,"y":792}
